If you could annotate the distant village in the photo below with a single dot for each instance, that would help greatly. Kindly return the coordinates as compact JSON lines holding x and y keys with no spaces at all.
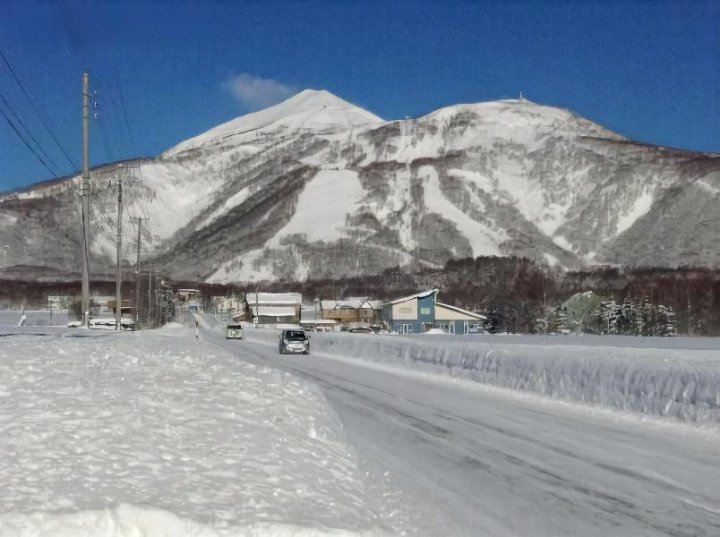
{"x":486,"y":295}
{"x":412,"y":314}
{"x":417,"y":313}
{"x":422,"y":312}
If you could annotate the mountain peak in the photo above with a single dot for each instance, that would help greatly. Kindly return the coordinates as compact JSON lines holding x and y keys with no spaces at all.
{"x":510,"y":118}
{"x":309,"y":109}
{"x":320,"y":96}
{"x":313,"y":101}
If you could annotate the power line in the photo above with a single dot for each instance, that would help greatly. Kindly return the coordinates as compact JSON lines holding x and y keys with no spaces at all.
{"x":123,"y":108}
{"x":116,"y":121}
{"x":26,"y":143}
{"x":27,"y":131}
{"x":37,"y":111}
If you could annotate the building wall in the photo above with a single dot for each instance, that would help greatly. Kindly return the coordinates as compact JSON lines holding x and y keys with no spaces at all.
{"x":407,"y":310}
{"x":413,"y":316}
{"x":266,"y":319}
{"x":368,"y":315}
{"x":446,"y":314}
{"x":457,"y":326}
{"x":268,"y":316}
{"x":407,"y":327}
{"x":341,"y":315}
{"x":426,"y":309}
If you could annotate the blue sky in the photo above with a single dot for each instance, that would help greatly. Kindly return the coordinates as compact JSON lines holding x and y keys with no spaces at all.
{"x":166,"y":71}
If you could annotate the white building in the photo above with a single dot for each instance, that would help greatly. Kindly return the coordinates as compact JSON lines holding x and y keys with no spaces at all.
{"x":274,"y":308}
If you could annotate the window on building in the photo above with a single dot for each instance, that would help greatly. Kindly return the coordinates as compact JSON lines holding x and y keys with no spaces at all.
{"x":446,"y":326}
{"x":474,"y":328}
{"x":424,"y":311}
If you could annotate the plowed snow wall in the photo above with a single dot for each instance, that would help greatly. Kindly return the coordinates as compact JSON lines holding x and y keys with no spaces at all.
{"x":681,"y":383}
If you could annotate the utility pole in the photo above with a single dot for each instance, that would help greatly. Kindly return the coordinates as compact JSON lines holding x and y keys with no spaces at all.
{"x":118,"y":282}
{"x":85,"y":194}
{"x":150,"y":308}
{"x":158,"y":316}
{"x":137,"y":272}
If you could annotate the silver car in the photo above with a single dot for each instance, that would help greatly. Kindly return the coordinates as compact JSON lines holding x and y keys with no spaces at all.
{"x":294,"y":341}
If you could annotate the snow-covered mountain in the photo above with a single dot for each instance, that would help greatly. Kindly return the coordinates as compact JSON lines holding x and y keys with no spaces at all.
{"x":316,"y":187}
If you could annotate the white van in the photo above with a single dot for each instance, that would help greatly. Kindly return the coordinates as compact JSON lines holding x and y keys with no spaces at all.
{"x":234,"y":331}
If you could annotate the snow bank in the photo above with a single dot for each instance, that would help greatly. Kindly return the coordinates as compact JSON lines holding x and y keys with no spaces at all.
{"x":134,"y":521}
{"x":676,"y":382}
{"x":156,"y":434}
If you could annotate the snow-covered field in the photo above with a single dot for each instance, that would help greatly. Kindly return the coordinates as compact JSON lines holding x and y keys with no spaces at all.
{"x":677,"y":377}
{"x":158,"y":434}
{"x":35,"y":318}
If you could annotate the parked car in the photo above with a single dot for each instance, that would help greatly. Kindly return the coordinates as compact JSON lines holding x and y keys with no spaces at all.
{"x":108,"y":323}
{"x":294,"y":341}
{"x":234,"y":331}
{"x":361,"y":330}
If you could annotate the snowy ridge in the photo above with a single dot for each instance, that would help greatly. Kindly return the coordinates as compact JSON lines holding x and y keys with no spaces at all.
{"x":522,"y":121}
{"x":309,"y":109}
{"x":337,"y":183}
{"x":659,"y":381}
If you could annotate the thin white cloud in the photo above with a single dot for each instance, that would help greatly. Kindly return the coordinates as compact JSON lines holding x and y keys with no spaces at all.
{"x":255,"y":93}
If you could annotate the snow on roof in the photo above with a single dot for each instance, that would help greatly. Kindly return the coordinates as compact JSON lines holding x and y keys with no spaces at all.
{"x":333,"y":304}
{"x":274,"y":298}
{"x":422,"y":294}
{"x":355,"y":302}
{"x":274,"y":311}
{"x":460,"y":310}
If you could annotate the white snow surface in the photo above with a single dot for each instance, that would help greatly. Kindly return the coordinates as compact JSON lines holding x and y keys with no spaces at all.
{"x":233,"y":201}
{"x":157,"y":434}
{"x":243,"y":268}
{"x":474,"y":459}
{"x":309,"y":109}
{"x":640,"y":207}
{"x":329,"y":197}
{"x":479,"y":235}
{"x":657,"y":376}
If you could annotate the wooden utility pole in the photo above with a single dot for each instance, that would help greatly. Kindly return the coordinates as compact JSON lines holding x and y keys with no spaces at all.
{"x":118,"y":281}
{"x":137,"y":271}
{"x":85,"y":194}
{"x":150,"y":309}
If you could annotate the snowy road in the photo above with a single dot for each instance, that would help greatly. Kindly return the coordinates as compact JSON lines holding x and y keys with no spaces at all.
{"x":476,"y":461}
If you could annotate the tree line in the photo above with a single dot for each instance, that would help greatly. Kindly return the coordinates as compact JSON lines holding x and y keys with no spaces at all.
{"x":516,"y":294}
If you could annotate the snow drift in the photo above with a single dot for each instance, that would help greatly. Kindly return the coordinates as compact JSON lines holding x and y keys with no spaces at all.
{"x":156,"y":434}
{"x":660,"y":378}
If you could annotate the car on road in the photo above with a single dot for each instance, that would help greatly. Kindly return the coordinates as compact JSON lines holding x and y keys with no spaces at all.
{"x":105,"y":323}
{"x":361,"y":330}
{"x":234,"y":331}
{"x":294,"y":341}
